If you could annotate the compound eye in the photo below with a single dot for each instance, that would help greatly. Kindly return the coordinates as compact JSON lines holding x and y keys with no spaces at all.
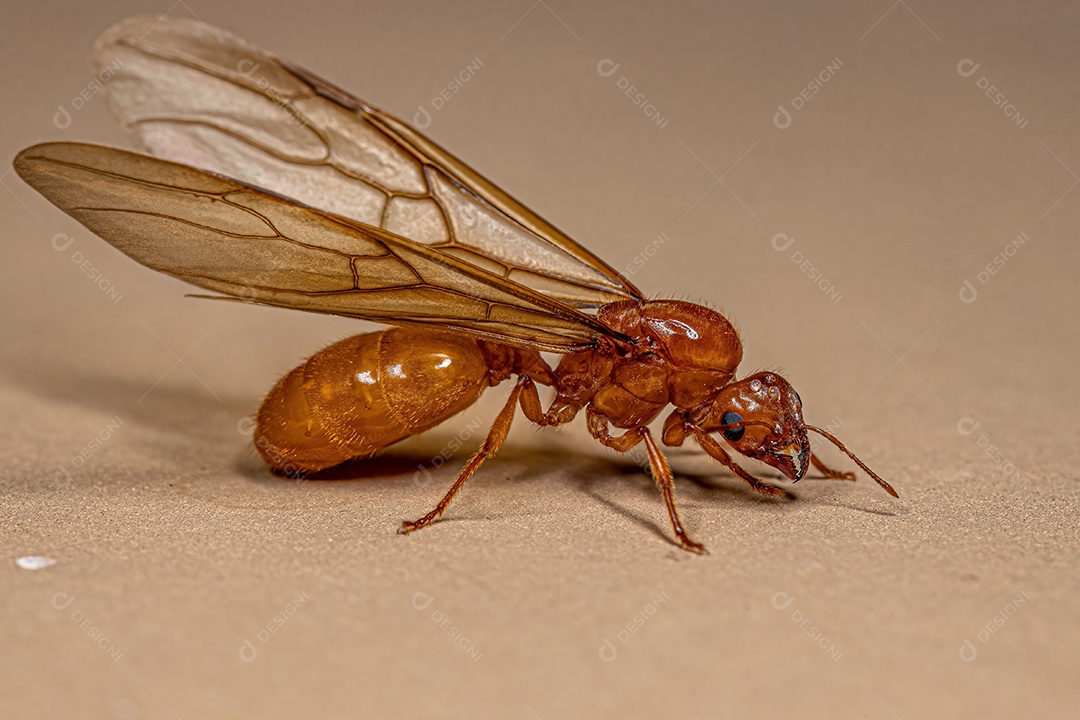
{"x":730,"y":418}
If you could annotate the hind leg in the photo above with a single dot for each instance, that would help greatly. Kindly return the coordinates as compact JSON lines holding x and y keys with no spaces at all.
{"x":524,"y":392}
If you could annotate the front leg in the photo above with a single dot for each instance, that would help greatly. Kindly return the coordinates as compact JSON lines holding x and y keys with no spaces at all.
{"x":829,"y":472}
{"x":658,"y":464}
{"x":678,"y":427}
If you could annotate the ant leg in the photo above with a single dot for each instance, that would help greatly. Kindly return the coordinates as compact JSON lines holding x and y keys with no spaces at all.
{"x":530,"y":401}
{"x":658,"y":465}
{"x":494,"y":440}
{"x":717,"y":452}
{"x":559,"y":413}
{"x":829,"y":472}
{"x":666,"y":481}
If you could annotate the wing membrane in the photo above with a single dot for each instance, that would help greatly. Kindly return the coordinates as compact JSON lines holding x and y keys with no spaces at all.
{"x":198,"y":95}
{"x":252,"y":245}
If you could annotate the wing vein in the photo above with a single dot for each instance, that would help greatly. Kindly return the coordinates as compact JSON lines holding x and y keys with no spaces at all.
{"x":207,"y":98}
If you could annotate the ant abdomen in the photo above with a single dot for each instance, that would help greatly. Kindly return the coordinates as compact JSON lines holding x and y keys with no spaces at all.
{"x":367,"y":392}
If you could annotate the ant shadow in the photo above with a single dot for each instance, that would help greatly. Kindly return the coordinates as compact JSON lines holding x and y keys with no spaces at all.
{"x":182,"y":411}
{"x":604,"y":479}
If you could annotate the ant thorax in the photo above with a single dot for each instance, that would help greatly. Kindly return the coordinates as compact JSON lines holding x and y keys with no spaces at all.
{"x":682,"y":355}
{"x":697,"y":348}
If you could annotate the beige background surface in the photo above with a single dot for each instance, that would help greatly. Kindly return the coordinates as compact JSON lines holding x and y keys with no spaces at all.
{"x":191,"y":583}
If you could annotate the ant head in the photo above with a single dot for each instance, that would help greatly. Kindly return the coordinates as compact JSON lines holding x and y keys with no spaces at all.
{"x":761,"y":417}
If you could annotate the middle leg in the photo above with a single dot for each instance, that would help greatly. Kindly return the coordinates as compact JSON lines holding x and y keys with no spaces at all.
{"x":658,"y":464}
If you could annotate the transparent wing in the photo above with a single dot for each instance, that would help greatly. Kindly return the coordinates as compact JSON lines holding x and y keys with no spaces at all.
{"x":198,"y":95}
{"x":252,"y":245}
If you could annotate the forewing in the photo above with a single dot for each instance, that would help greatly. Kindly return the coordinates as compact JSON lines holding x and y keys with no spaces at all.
{"x":198,"y":95}
{"x":252,"y":245}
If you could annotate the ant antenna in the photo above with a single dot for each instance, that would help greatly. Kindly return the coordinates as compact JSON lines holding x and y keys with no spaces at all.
{"x":832,"y":438}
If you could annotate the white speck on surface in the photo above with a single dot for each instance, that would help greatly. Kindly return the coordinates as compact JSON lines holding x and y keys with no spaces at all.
{"x":34,"y":562}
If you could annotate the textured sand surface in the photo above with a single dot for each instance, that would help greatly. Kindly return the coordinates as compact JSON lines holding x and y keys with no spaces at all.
{"x":830,"y":178}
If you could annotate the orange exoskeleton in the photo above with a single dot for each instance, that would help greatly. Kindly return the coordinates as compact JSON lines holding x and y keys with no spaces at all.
{"x":338,"y":207}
